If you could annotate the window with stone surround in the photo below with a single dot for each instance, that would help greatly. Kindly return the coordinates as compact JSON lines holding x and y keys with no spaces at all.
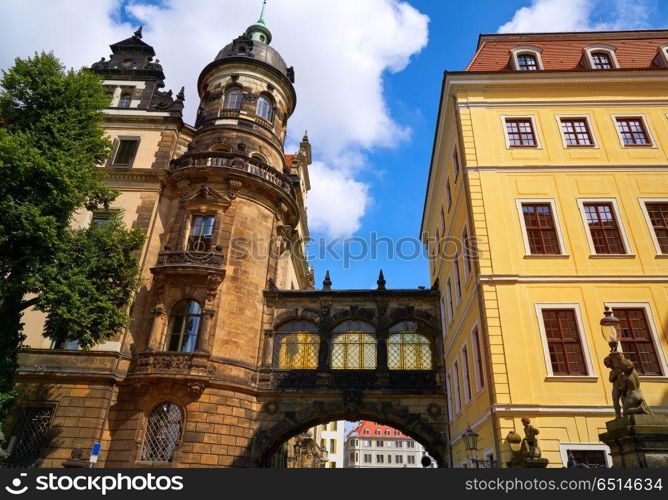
{"x":637,"y":342}
{"x":564,"y":343}
{"x":185,"y":321}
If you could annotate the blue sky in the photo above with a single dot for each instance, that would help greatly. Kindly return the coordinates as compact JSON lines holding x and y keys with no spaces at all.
{"x":368,"y":79}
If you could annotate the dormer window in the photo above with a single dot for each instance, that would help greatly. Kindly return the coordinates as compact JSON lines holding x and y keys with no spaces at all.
{"x":661,"y":58}
{"x":526,"y":58}
{"x":599,"y":56}
{"x":601,"y":60}
{"x":527,"y":62}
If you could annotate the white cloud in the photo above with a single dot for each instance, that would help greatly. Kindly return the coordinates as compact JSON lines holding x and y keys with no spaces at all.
{"x":579,"y":15}
{"x":340,"y":51}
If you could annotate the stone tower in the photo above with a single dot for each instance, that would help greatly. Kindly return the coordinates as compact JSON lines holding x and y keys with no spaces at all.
{"x":234,"y":220}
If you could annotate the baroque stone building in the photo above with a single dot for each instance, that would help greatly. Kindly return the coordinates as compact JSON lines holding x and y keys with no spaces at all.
{"x":231,"y":352}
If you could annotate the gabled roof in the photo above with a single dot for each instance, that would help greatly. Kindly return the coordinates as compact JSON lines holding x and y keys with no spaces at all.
{"x":133,"y":44}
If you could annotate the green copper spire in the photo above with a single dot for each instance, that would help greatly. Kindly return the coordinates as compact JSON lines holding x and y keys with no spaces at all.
{"x":259,"y":30}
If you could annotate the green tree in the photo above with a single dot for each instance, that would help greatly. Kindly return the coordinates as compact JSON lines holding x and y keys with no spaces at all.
{"x":51,"y":144}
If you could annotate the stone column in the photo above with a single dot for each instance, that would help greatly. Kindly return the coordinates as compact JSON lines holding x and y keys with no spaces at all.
{"x":204,"y":336}
{"x":267,"y":349}
{"x":157,"y":327}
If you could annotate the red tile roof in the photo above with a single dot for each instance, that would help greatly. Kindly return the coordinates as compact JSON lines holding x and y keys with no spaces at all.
{"x":372,"y":427}
{"x":563,"y":51}
{"x":288,"y":160}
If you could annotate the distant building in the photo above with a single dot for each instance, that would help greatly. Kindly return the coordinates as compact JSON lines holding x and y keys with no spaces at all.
{"x":331,"y":438}
{"x":371,"y":445}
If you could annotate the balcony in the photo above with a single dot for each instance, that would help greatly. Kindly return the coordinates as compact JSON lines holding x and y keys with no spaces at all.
{"x":235,"y":162}
{"x":205,"y":261}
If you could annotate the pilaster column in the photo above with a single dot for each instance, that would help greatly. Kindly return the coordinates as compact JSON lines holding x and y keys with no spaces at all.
{"x":203,"y":339}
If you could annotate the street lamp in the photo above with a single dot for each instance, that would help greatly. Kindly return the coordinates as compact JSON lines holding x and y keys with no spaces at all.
{"x":611,"y":329}
{"x":471,"y":445}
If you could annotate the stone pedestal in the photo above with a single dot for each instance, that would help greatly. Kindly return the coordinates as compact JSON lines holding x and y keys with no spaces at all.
{"x":638,"y":441}
{"x":535,"y":463}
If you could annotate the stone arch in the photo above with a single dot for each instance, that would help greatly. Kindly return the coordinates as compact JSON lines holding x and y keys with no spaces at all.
{"x":428,"y":427}
{"x":296,"y":315}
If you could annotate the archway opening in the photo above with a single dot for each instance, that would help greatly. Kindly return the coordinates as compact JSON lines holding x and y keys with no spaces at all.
{"x":339,"y":444}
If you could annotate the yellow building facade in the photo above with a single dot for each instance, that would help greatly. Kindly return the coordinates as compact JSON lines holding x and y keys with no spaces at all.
{"x":548,"y":197}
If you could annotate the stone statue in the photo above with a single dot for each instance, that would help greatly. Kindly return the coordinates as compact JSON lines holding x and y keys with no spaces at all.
{"x":625,"y":386}
{"x":530,"y":448}
{"x":525,"y":451}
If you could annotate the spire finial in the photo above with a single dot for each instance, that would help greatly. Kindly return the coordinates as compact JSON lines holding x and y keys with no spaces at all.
{"x":327,"y":282}
{"x":264,"y":6}
{"x":381,"y":281}
{"x":138,"y":32}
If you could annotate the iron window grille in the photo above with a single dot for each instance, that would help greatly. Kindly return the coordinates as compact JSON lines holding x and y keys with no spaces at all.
{"x":30,"y":433}
{"x":353,"y":346}
{"x":296,"y":351}
{"x":408,"y":351}
{"x":162,"y":433}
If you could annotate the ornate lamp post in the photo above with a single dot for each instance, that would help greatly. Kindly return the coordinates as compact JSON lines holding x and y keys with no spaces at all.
{"x":471,"y":445}
{"x":611,"y":329}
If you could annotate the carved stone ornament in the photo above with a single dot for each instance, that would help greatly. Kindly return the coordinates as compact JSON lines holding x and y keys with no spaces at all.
{"x":195,"y":389}
{"x":271,"y":407}
{"x":352,"y":401}
{"x":206,"y":195}
{"x":212,"y":284}
{"x":434,"y":410}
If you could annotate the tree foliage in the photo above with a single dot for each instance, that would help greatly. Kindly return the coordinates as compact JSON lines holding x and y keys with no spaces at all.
{"x":51,"y":144}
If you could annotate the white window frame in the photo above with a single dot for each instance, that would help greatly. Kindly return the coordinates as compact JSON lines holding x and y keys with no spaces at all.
{"x":534,"y":127}
{"x":448,"y":383}
{"x":476,"y":343}
{"x":467,"y":273}
{"x":622,"y":230}
{"x":450,"y":304}
{"x":587,"y":118}
{"x":526,"y":49}
{"x":459,"y":284}
{"x":468,"y":390}
{"x":600,"y":47}
{"x":643,"y":206}
{"x":557,"y":223}
{"x":444,"y":319}
{"x":658,"y":347}
{"x":650,"y":135}
{"x":564,"y":447}
{"x":586,"y":352}
{"x":457,"y":387}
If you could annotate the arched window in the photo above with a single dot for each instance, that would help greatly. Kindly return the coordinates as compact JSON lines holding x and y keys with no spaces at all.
{"x":260,"y":157}
{"x":265,"y":108}
{"x":354,"y":346}
{"x":407,"y":349}
{"x":185,"y":320}
{"x":296,"y":346}
{"x":527,"y":62}
{"x":125,"y":100}
{"x":163,"y":430}
{"x":601,"y":60}
{"x":233,"y":98}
